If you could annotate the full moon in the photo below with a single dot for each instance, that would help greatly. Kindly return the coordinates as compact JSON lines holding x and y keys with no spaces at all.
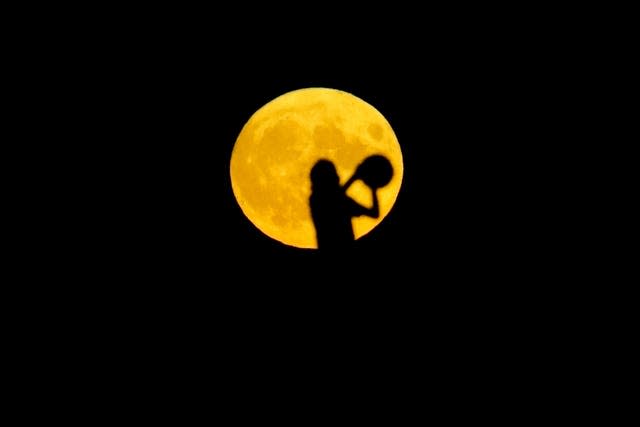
{"x":278,"y":146}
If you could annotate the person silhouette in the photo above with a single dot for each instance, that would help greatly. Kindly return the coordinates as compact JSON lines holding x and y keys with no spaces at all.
{"x":331,"y":207}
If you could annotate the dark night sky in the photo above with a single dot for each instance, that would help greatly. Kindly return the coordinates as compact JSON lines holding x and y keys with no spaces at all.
{"x":463,"y":272}
{"x":472,"y":115}
{"x":476,"y":133}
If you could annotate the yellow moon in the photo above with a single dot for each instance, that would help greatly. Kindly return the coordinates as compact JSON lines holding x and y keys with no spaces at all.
{"x":276,"y":149}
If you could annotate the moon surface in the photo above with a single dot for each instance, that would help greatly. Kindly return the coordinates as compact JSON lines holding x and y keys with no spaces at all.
{"x":277,"y":147}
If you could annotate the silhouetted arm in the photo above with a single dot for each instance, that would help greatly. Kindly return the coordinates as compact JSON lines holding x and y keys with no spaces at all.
{"x":351,"y":180}
{"x":374,"y":212}
{"x":358,"y":210}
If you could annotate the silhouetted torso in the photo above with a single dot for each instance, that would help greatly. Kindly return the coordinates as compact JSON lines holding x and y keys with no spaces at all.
{"x":332,"y":211}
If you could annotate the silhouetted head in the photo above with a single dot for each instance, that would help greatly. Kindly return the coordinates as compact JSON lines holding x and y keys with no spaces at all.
{"x":324,"y":175}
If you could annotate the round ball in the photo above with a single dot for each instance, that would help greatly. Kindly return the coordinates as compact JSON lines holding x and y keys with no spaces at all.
{"x":375,"y":171}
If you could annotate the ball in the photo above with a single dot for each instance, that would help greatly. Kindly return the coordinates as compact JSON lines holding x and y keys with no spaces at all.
{"x":375,"y":171}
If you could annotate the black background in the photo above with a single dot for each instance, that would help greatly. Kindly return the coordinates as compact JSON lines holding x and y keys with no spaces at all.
{"x":476,"y":119}
{"x":480,"y":115}
{"x":467,"y":280}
